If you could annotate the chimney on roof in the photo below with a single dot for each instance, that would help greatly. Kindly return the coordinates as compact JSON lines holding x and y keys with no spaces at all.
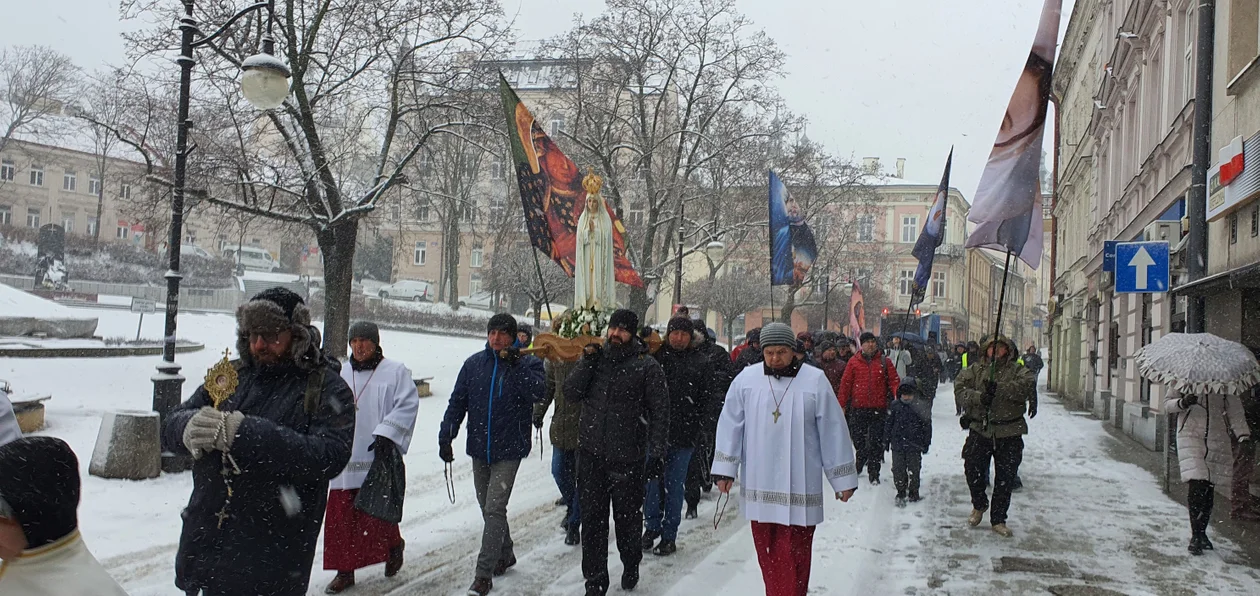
{"x":901,"y":168}
{"x":871,"y":164}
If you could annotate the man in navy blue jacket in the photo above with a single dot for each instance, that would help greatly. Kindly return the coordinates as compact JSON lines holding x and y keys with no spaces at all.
{"x":496,"y":388}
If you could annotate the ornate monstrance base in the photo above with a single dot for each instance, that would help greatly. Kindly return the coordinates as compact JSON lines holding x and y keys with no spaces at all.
{"x":559,"y":349}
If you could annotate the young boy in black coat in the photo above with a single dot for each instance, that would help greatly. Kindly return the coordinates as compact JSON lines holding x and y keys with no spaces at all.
{"x":908,"y":433}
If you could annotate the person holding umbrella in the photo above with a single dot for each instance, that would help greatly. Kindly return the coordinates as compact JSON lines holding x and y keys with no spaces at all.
{"x":1205,"y":375}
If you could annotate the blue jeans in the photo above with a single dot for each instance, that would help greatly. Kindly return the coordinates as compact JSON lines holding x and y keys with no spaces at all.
{"x":676,"y":462}
{"x":564,"y":470}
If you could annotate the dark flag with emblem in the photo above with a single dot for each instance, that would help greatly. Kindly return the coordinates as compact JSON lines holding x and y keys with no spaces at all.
{"x":931,"y":237}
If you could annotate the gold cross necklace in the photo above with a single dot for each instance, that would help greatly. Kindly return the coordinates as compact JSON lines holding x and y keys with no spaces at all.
{"x":778,"y":400}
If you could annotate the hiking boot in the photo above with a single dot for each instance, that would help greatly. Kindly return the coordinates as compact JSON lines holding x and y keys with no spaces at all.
{"x":914,"y":497}
{"x":1002,"y":530}
{"x":1196,"y":547}
{"x":504,"y":565}
{"x":901,"y":501}
{"x":1205,"y":543}
{"x":874,"y":478}
{"x":593,"y":591}
{"x":344,"y":580}
{"x":480,"y":587}
{"x":691,"y":512}
{"x":976,"y":516}
{"x":574,"y":536}
{"x":1017,"y":484}
{"x":630,"y":578}
{"x":649,"y":539}
{"x":395,"y":561}
{"x":665,"y":548}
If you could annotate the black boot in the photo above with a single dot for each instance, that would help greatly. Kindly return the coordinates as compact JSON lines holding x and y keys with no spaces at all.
{"x":649,"y":540}
{"x":630,"y":578}
{"x":665,"y":548}
{"x":573,"y":536}
{"x":1196,"y":548}
{"x":691,"y":512}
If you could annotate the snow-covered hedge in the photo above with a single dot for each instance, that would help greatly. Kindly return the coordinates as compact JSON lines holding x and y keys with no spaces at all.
{"x":110,"y":262}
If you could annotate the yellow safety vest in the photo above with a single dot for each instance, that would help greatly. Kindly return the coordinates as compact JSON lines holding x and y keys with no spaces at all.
{"x":964,"y":359}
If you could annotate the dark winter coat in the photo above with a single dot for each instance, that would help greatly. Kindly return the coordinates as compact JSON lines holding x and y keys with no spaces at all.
{"x":286,"y":456}
{"x":1015,"y":388}
{"x":905,"y":428}
{"x":868,"y":383}
{"x":747,"y":357}
{"x":926,"y":370}
{"x":568,"y":414}
{"x":625,"y":403}
{"x":1033,"y":363}
{"x":835,"y":372}
{"x":499,"y":399}
{"x":723,"y":367}
{"x":692,"y":388}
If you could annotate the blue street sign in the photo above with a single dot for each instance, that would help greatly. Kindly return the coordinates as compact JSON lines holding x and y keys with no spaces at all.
{"x":1141,"y":267}
{"x":1037,"y":323}
{"x":1109,"y":255}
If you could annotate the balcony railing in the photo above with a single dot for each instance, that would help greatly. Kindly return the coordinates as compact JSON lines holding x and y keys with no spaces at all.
{"x":953,"y":251}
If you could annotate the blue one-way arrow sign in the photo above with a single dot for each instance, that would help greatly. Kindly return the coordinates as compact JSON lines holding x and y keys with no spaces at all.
{"x":1141,"y":267}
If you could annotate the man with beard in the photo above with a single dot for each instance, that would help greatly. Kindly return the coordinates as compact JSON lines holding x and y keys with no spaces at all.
{"x":624,"y":423}
{"x":385,"y":403}
{"x":994,"y":394}
{"x":781,"y":433}
{"x":496,"y":388}
{"x":867,"y":388}
{"x":263,"y":459}
{"x":690,"y":380}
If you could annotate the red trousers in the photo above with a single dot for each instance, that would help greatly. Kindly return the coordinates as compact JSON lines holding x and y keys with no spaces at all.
{"x":784,"y":553}
{"x":352,"y":538}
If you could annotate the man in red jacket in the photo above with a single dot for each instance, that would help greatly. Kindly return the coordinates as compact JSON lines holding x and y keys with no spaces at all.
{"x":869,"y":382}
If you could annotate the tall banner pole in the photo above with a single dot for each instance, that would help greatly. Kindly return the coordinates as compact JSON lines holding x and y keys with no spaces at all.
{"x":1006,"y":272}
{"x":543,"y":285}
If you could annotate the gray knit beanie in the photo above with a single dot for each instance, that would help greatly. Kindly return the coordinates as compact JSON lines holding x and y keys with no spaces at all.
{"x":777,"y":334}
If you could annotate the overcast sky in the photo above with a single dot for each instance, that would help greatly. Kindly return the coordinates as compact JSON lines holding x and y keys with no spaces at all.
{"x":885,"y":78}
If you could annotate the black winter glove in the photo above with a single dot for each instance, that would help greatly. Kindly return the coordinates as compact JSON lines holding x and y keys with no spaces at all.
{"x":538,"y":422}
{"x":592,"y":352}
{"x":379,"y":445}
{"x":964,"y":421}
{"x":1189,"y":400}
{"x":990,"y":393}
{"x":446,"y":453}
{"x":1032,"y":408}
{"x":511,"y":355}
{"x":655,"y":468}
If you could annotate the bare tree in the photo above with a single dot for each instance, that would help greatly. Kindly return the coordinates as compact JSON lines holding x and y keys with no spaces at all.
{"x":729,"y":295}
{"x":36,"y":82}
{"x":371,"y":85}
{"x":514,"y":273}
{"x":653,"y":80}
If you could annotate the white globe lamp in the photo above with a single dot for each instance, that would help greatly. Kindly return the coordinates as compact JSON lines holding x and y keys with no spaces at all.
{"x":264,"y":81}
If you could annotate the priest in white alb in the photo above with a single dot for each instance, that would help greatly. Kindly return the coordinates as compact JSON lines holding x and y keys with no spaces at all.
{"x":385,"y":403}
{"x":783,"y":434}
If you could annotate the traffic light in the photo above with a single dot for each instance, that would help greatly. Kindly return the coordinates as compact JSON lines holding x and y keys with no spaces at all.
{"x":918,"y":313}
{"x":885,"y":313}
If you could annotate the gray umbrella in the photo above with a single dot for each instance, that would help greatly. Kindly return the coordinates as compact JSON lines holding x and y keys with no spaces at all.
{"x":1199,"y":363}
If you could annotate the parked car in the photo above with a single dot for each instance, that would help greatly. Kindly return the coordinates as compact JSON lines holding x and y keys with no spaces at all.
{"x":251,"y":257}
{"x":407,"y":289}
{"x":194,"y":250}
{"x":482,"y":300}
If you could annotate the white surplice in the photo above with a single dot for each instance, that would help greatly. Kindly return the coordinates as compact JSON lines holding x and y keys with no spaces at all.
{"x":63,"y":568}
{"x":387,"y":402}
{"x":781,"y":465}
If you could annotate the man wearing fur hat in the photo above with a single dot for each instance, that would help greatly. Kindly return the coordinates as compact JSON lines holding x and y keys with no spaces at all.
{"x":497,"y":389}
{"x":994,"y":393}
{"x":277,"y":440}
{"x":385,"y":403}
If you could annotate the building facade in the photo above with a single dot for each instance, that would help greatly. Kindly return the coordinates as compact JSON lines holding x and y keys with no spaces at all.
{"x":1127,"y":109}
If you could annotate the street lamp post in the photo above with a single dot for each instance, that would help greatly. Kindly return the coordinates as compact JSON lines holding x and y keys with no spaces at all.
{"x":264,"y":84}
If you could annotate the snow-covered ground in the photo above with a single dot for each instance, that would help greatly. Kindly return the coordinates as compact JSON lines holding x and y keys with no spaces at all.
{"x":1106,"y":522}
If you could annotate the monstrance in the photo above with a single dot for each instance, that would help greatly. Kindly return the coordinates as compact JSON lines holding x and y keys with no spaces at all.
{"x":221,"y":382}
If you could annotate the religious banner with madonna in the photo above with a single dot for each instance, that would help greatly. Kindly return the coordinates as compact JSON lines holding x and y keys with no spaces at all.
{"x":552,"y":192}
